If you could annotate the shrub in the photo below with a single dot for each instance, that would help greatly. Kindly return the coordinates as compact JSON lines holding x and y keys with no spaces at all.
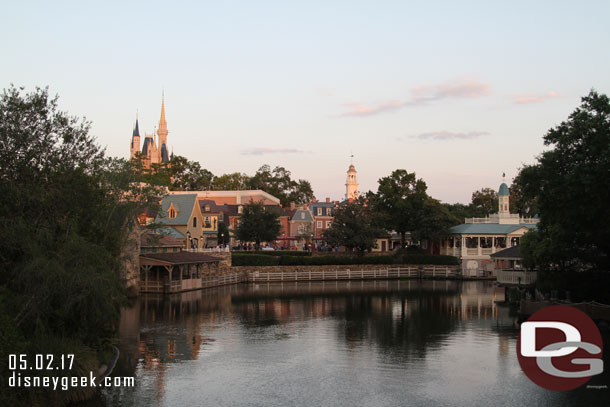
{"x":254,"y":260}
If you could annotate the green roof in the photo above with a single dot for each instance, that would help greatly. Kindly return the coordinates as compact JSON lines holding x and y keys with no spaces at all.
{"x":487,"y":228}
{"x":503,"y":191}
{"x":168,"y":230}
{"x":183,"y":204}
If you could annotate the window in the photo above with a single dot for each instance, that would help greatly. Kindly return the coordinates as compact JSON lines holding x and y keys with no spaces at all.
{"x":319,"y":224}
{"x":319,"y":212}
{"x":327,"y":224}
{"x":206,"y":222}
{"x":302,"y":215}
{"x":327,"y":211}
{"x":195,"y":221}
{"x":240,"y":209}
{"x":171,"y":212}
{"x":207,"y":208}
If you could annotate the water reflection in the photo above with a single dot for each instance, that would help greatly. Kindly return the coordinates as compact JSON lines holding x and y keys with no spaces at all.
{"x":328,"y":343}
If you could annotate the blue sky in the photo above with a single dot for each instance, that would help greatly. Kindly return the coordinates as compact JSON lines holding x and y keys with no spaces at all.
{"x":458,"y":92}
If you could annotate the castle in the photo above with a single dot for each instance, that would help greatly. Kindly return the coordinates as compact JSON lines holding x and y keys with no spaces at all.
{"x":154,"y":150}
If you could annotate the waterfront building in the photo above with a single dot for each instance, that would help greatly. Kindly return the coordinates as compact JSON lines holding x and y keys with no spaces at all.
{"x":183,"y":213}
{"x":154,"y":149}
{"x":477,"y":239}
{"x":233,"y":197}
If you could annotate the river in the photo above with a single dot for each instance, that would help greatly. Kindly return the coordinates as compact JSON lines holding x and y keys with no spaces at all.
{"x":374,"y":343}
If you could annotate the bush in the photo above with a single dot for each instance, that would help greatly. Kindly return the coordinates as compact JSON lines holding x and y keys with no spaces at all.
{"x":277,"y":253}
{"x":436,"y":259}
{"x":243,"y":259}
{"x":254,"y":260}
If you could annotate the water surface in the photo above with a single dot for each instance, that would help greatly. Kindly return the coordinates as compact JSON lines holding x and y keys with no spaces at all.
{"x":383,"y":343}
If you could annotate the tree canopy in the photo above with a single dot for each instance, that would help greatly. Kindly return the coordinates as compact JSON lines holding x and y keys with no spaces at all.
{"x":571,"y":184}
{"x":258,"y":223}
{"x":65,"y":214}
{"x":280,"y":184}
{"x":355,"y":226}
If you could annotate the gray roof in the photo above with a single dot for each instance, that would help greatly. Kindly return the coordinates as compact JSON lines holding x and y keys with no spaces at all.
{"x":510,"y":253}
{"x":487,"y":228}
{"x":168,"y":230}
{"x":183,"y":204}
{"x":299,"y":218}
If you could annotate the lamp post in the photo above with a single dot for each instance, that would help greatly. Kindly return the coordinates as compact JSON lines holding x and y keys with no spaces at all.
{"x":189,"y":244}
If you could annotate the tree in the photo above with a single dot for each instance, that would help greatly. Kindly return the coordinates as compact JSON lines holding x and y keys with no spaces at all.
{"x":188,"y":175}
{"x":523,"y":200}
{"x":258,"y":224}
{"x":459,"y":212}
{"x":484,"y":202}
{"x":571,"y":184}
{"x":65,"y":214}
{"x":280,"y":184}
{"x":354,"y":226}
{"x":400,"y":201}
{"x":224,"y":236}
{"x":231,"y":182}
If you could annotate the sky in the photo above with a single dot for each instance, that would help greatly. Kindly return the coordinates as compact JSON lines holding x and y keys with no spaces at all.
{"x":457,"y":92}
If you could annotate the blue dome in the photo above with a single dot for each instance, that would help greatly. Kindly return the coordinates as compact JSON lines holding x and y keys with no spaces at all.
{"x":503,"y":191}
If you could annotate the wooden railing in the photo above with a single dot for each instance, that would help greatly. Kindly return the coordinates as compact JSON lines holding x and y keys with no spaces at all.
{"x":387,"y":273}
{"x":516,"y":277}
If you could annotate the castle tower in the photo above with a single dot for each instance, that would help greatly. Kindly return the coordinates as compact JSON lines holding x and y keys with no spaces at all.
{"x":351,"y":185}
{"x":135,"y":140}
{"x":162,"y":132}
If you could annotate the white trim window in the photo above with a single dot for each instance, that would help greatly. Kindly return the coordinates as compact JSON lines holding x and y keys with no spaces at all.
{"x":319,"y":211}
{"x":328,"y":222}
{"x":319,"y":224}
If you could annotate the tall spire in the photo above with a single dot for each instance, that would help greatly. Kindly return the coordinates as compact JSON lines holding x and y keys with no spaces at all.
{"x":162,"y":131}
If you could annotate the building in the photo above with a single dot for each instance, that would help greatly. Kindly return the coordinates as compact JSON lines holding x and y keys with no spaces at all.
{"x":154,"y":149}
{"x":351,"y":183}
{"x":183,"y":213}
{"x":233,"y":197}
{"x":477,"y":239}
{"x":323,"y":216}
{"x":302,"y":226}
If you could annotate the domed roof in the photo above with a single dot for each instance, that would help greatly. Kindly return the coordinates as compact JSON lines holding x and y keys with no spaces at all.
{"x":503,"y":191}
{"x":351,"y":168}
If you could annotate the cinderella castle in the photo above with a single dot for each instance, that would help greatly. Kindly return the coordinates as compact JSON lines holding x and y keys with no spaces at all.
{"x":155,"y":149}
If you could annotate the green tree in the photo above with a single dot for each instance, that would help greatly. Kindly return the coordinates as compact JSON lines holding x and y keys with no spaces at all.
{"x":400,"y":201}
{"x":258,"y":223}
{"x":523,"y":200}
{"x":65,"y":215}
{"x":354,"y":225}
{"x":571,"y":184}
{"x":459,"y":212}
{"x":188,"y":175}
{"x":484,"y":202}
{"x":280,"y":184}
{"x":224,"y":236}
{"x":231,"y":182}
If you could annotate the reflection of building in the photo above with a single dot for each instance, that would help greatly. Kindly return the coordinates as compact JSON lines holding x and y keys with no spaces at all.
{"x":476,"y":239}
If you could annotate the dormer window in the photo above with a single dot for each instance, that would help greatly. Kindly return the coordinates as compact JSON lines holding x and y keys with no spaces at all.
{"x":327,"y":211}
{"x":171,"y":212}
{"x":240,"y":209}
{"x":319,"y":211}
{"x":302,"y":215}
{"x":207,"y":208}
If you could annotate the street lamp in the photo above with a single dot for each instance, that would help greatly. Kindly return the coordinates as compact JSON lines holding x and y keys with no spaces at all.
{"x":188,"y":236}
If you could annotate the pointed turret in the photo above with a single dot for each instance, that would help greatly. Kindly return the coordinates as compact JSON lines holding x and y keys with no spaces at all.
{"x":162,"y":132}
{"x":135,"y":139}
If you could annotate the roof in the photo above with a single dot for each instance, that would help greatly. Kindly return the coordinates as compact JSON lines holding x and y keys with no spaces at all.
{"x":170,"y":231}
{"x":510,"y":253}
{"x":164,"y":156}
{"x":303,"y":215}
{"x":179,"y":258}
{"x":503,"y":191}
{"x":136,"y":133}
{"x":159,"y":240}
{"x":183,"y":204}
{"x":147,"y":141}
{"x":487,"y":228}
{"x":213,"y":207}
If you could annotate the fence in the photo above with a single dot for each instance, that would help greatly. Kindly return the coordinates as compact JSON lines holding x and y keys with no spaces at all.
{"x":326,"y":275}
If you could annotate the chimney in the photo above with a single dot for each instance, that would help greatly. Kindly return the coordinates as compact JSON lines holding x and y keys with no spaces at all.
{"x":314,"y":200}
{"x":327,"y":200}
{"x":292,"y":206}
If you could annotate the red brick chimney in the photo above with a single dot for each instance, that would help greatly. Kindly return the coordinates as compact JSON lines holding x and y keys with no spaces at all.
{"x":292,"y":206}
{"x":327,"y":200}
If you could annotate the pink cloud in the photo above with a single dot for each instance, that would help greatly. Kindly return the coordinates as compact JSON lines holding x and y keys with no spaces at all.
{"x":449,"y":135}
{"x":461,"y":87}
{"x":526,"y":98}
{"x":271,"y":150}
